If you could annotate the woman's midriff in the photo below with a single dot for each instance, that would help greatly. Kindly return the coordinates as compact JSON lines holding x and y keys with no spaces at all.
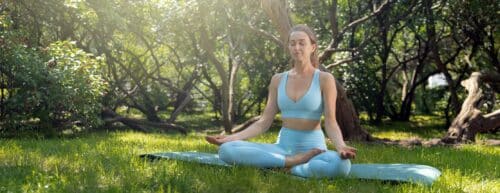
{"x":301,"y":124}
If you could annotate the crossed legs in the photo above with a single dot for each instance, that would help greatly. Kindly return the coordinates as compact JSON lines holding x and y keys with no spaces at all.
{"x":313,"y":163}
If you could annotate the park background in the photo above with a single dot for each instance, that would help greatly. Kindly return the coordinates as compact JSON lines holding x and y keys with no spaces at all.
{"x":88,"y":85}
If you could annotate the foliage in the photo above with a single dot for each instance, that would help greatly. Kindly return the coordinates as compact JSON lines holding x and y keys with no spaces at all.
{"x":361,"y":86}
{"x":430,"y":100}
{"x":51,"y":89}
{"x":155,"y":59}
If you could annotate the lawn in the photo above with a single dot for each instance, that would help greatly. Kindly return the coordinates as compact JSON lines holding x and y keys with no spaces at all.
{"x":109,"y":162}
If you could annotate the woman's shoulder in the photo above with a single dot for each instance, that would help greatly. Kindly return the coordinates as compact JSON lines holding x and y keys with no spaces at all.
{"x":275,"y":80}
{"x":327,"y":81}
{"x":277,"y":76}
{"x":326,"y":77}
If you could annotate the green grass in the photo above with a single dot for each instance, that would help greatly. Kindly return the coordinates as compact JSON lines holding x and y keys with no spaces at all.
{"x":109,"y":162}
{"x":423,"y":127}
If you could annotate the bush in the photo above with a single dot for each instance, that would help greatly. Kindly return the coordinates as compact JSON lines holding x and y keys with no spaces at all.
{"x":49,"y":90}
{"x":360,"y":82}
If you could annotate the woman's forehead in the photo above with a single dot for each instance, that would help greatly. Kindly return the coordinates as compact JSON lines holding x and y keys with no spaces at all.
{"x":298,"y":35}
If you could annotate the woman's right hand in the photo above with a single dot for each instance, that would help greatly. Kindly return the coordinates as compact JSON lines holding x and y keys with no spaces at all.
{"x":216,"y":139}
{"x":347,"y":152}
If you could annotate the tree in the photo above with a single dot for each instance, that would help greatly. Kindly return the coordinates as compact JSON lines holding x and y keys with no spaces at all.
{"x":478,"y":24}
{"x":410,"y":52}
{"x":471,"y":120}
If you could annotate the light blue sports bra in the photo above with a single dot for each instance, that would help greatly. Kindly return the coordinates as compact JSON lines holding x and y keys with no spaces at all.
{"x":309,"y":106}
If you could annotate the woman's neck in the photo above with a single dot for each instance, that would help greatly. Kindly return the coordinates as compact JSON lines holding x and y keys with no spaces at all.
{"x":303,"y":68}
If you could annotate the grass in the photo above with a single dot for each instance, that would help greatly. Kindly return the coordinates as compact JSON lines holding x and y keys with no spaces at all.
{"x":109,"y":162}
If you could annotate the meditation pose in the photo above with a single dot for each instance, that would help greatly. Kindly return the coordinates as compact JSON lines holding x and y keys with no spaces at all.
{"x":302,"y":94}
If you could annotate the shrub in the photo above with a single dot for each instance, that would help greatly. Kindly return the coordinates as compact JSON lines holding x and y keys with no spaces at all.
{"x":50,"y":90}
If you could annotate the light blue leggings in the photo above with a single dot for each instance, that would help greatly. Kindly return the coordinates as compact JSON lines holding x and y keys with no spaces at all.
{"x":327,"y":164}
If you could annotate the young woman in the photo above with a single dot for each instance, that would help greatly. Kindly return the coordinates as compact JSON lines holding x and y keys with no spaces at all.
{"x":302,"y":94}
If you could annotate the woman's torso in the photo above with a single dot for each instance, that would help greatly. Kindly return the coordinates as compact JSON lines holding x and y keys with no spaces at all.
{"x":301,"y":124}
{"x":300,"y":100}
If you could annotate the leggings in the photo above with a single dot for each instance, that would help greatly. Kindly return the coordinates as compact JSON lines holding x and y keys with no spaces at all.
{"x":324,"y":165}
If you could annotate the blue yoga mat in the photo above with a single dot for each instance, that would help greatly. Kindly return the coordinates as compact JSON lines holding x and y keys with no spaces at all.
{"x":389,"y":172}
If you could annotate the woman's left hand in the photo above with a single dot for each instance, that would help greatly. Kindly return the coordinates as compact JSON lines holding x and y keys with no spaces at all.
{"x":216,"y":139}
{"x":347,"y":152}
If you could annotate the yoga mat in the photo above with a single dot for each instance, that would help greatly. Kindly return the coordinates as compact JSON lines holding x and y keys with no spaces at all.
{"x":413,"y":173}
{"x":204,"y":158}
{"x":395,"y":172}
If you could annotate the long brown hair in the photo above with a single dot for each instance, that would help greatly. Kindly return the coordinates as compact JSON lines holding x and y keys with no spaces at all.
{"x":312,"y":37}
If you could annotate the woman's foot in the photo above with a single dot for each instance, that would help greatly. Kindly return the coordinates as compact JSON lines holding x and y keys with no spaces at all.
{"x":301,"y":158}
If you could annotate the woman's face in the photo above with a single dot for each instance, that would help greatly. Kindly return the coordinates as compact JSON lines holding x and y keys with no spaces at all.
{"x":300,"y":46}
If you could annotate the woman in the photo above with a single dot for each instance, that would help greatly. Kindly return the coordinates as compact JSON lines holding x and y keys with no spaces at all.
{"x":302,"y":94}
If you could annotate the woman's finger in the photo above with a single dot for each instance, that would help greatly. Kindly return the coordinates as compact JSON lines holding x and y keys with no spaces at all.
{"x":213,"y":140}
{"x":352,"y":155}
{"x":351,"y":149}
{"x":347,"y":154}
{"x":344,"y":155}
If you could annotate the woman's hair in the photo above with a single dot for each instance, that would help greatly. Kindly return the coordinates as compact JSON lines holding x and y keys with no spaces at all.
{"x":312,"y":37}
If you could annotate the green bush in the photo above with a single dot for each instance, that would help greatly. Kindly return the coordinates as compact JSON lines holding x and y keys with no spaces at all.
{"x":51,"y":89}
{"x":360,"y":82}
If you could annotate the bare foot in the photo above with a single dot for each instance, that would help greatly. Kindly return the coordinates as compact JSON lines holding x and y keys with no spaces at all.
{"x":301,"y":158}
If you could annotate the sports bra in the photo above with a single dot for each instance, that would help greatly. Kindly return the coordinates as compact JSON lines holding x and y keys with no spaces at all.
{"x":309,"y":106}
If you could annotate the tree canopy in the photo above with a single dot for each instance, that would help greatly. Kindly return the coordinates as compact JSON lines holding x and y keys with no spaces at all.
{"x":84,"y":64}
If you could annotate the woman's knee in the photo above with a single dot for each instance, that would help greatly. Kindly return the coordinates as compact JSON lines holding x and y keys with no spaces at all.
{"x":227,"y":151}
{"x":336,"y":166}
{"x":343,"y":167}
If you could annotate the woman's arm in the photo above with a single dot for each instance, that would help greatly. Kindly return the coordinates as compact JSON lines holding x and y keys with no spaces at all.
{"x":260,"y":126}
{"x":331,"y":126}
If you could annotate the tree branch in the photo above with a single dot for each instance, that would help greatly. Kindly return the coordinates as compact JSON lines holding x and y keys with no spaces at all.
{"x":342,"y":62}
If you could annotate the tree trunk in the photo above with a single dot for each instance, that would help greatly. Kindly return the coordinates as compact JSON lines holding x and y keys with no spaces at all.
{"x":384,"y":56}
{"x":405,"y":110}
{"x":434,"y":54}
{"x":207,"y":43}
{"x":470,"y":120}
{"x":183,"y":98}
{"x":348,"y":119}
{"x":379,"y":103}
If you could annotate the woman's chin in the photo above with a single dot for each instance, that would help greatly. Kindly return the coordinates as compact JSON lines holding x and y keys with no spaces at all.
{"x":298,"y":59}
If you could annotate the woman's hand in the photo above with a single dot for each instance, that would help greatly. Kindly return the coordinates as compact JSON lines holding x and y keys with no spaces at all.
{"x":347,"y":152}
{"x":216,"y":139}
